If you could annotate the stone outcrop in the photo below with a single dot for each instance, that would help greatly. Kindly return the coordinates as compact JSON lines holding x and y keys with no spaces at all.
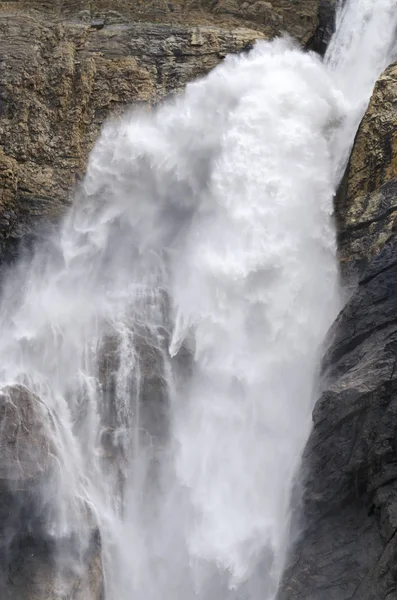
{"x":348,"y":547}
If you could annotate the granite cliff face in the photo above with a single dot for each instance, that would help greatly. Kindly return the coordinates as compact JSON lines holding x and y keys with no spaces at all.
{"x":349,"y":546}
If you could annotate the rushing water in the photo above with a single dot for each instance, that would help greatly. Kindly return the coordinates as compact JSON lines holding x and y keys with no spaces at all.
{"x":365,"y":42}
{"x":169,"y":339}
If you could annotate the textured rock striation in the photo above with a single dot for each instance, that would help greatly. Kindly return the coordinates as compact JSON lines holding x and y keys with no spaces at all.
{"x":348,"y":547}
{"x":269,"y":16}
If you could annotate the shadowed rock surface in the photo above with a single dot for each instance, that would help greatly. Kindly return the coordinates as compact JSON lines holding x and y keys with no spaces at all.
{"x":349,"y":545}
{"x":322,"y":34}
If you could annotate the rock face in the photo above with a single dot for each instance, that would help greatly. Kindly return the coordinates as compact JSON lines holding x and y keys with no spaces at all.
{"x":348,"y":547}
{"x":68,"y":82}
{"x":366,"y":205}
{"x":269,"y":16}
{"x":65,"y":66}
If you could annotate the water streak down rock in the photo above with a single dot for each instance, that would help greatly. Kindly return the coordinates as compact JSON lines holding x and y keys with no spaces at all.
{"x":29,"y":462}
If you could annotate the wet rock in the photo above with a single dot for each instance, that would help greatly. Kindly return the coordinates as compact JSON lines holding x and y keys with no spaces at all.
{"x":26,"y":445}
{"x":325,"y":28}
{"x":347,"y":544}
{"x":35,"y":564}
{"x":142,"y":378}
{"x":347,"y":549}
{"x":34,"y":568}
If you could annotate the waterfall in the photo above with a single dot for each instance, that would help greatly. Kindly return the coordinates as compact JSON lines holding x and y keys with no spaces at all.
{"x":166,"y":342}
{"x":364,"y":44}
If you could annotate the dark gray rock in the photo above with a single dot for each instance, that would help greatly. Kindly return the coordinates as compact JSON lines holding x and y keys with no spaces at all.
{"x":322,"y":34}
{"x":348,"y":546}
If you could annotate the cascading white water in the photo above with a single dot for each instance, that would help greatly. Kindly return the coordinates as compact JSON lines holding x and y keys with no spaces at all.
{"x":363,"y":45}
{"x":173,"y":333}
